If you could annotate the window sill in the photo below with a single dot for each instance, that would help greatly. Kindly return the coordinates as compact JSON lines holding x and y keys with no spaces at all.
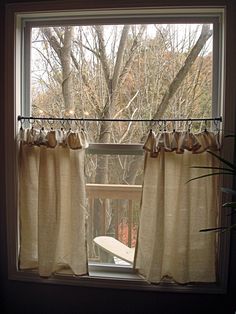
{"x":101,"y":278}
{"x":112,"y":271}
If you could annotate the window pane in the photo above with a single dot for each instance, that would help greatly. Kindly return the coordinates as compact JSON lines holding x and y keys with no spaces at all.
{"x":122,"y":71}
{"x":113,"y":208}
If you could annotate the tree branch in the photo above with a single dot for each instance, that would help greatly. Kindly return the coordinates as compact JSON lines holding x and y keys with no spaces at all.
{"x":133,"y":49}
{"x":206,"y":33}
{"x":127,"y":106}
{"x":52,"y":41}
{"x":102,"y":55}
{"x":120,"y":54}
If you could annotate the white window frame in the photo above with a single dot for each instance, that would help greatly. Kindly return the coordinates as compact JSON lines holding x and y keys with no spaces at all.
{"x":16,"y":16}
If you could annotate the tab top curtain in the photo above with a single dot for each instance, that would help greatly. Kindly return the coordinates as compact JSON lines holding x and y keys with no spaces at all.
{"x":170,"y":246}
{"x":52,"y":201}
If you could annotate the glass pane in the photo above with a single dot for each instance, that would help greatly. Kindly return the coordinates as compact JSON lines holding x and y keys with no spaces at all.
{"x":122,"y":71}
{"x":113,"y":207}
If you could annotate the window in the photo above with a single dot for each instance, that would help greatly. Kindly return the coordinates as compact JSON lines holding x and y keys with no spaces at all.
{"x":126,"y":64}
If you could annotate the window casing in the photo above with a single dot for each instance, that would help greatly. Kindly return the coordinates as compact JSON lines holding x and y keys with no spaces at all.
{"x":25,"y":22}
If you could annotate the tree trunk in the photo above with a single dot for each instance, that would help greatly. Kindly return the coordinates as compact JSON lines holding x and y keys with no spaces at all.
{"x":67,"y":82}
{"x":63,"y":49}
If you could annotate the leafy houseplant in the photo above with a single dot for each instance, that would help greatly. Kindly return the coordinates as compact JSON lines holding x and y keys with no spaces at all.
{"x":226,"y":168}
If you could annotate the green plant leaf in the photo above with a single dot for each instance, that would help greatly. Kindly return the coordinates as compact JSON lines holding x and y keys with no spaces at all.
{"x":209,"y":175}
{"x":229,"y":204}
{"x":213,"y":168}
{"x":217,"y":229}
{"x":233,"y":226}
{"x":228,"y":191}
{"x":229,"y":164}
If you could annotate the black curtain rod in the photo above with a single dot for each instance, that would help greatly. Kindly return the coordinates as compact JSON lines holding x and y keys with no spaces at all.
{"x":20,"y":118}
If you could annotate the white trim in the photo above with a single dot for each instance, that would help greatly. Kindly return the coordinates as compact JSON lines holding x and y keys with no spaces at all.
{"x":124,"y":13}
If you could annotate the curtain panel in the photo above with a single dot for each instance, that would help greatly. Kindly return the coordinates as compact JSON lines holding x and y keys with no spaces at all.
{"x":52,"y":201}
{"x":169,"y":245}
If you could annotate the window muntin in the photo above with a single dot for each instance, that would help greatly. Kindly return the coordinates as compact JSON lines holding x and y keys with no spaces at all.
{"x":26,"y":76}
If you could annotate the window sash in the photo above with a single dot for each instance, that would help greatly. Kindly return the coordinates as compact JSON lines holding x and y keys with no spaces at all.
{"x":172,"y":16}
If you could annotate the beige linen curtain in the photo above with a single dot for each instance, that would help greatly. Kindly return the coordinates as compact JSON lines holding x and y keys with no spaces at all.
{"x":170,"y":246}
{"x":52,"y":201}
